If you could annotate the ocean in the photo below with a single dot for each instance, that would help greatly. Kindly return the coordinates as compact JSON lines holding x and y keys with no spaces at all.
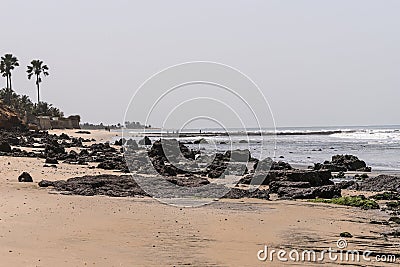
{"x":378,"y":146}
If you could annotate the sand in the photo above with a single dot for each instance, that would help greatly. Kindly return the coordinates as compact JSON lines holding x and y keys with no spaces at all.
{"x":39,"y":227}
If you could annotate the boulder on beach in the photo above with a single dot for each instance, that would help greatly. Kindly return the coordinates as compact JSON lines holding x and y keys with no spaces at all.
{"x":326,"y":191}
{"x":5,"y":147}
{"x":269,"y":164}
{"x":314,"y":178}
{"x":238,"y":155}
{"x":343,"y":163}
{"x":25,"y":177}
{"x":145,"y":141}
{"x":200,"y":141}
{"x":131,"y":144}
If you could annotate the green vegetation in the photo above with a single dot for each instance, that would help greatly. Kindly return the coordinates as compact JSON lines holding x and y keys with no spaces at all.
{"x":387,"y":196}
{"x":37,"y":68}
{"x":346,"y":235}
{"x":23,"y":104}
{"x":395,"y":220}
{"x":353,"y":201}
{"x":7,"y":64}
{"x":393,"y":205}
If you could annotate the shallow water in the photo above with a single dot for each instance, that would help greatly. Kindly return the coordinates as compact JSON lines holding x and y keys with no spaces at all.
{"x":379,"y":146}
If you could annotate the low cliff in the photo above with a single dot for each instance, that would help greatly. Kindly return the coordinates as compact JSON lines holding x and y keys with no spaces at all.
{"x":9,"y":118}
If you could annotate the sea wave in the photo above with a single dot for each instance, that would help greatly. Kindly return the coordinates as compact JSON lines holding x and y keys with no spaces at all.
{"x":368,"y":134}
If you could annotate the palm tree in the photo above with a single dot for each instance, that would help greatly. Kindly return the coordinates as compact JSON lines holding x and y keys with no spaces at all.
{"x":37,"y":68}
{"x":7,"y":64}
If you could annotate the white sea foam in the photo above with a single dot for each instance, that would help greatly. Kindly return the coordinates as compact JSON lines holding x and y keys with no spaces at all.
{"x":392,"y":135}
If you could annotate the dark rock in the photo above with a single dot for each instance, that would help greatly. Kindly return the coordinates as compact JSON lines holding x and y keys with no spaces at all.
{"x":236,"y":193}
{"x":315,"y":178}
{"x":45,"y":183}
{"x":345,"y":184}
{"x":131,"y":144}
{"x":386,"y":196}
{"x":145,"y":141}
{"x":119,"y":142}
{"x":395,"y":220}
{"x":343,"y":163}
{"x":346,"y":235}
{"x":83,"y":132}
{"x":166,"y":155}
{"x":378,"y":184}
{"x":238,"y":155}
{"x":64,"y":136}
{"x":268,"y":164}
{"x":50,"y":166}
{"x":5,"y":147}
{"x":238,"y":169}
{"x":190,"y":181}
{"x":51,"y":161}
{"x":126,"y":186}
{"x":395,"y":233}
{"x":327,"y":191}
{"x":13,"y":141}
{"x":200,"y":141}
{"x":274,"y":186}
{"x":25,"y":177}
{"x":340,"y":175}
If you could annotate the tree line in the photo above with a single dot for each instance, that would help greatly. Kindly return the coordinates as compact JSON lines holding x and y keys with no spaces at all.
{"x":22,"y":104}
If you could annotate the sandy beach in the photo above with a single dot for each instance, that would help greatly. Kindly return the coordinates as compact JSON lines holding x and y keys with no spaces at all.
{"x":39,"y":227}
{"x":200,"y":133}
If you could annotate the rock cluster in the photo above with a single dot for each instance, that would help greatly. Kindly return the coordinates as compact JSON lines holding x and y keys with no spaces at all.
{"x":343,"y":163}
{"x":169,"y":157}
{"x":296,"y":184}
{"x":126,"y":186}
{"x":52,"y":148}
{"x":184,"y":166}
{"x":378,"y":184}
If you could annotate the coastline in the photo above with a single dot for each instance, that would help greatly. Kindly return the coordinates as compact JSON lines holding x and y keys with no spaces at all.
{"x":41,"y":227}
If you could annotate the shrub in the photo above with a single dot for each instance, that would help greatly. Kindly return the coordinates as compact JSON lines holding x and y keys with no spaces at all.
{"x":353,"y":201}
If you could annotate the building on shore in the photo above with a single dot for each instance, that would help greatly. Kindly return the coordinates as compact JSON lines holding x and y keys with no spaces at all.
{"x":47,"y":123}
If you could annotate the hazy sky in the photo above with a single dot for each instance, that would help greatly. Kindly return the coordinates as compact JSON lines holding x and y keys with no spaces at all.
{"x":318,"y":62}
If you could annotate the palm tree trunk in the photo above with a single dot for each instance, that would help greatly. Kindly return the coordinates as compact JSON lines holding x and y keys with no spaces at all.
{"x":10,"y":82}
{"x":38,"y":90}
{"x":7,"y":81}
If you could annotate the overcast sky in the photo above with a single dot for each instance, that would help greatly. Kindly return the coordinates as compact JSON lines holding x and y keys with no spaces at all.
{"x":317,"y":62}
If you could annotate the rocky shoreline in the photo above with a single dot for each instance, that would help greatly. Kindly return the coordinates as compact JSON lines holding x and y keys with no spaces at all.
{"x":169,"y":158}
{"x":77,"y":165}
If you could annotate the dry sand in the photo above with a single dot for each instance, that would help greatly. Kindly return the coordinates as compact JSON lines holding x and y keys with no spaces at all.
{"x":38,"y":228}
